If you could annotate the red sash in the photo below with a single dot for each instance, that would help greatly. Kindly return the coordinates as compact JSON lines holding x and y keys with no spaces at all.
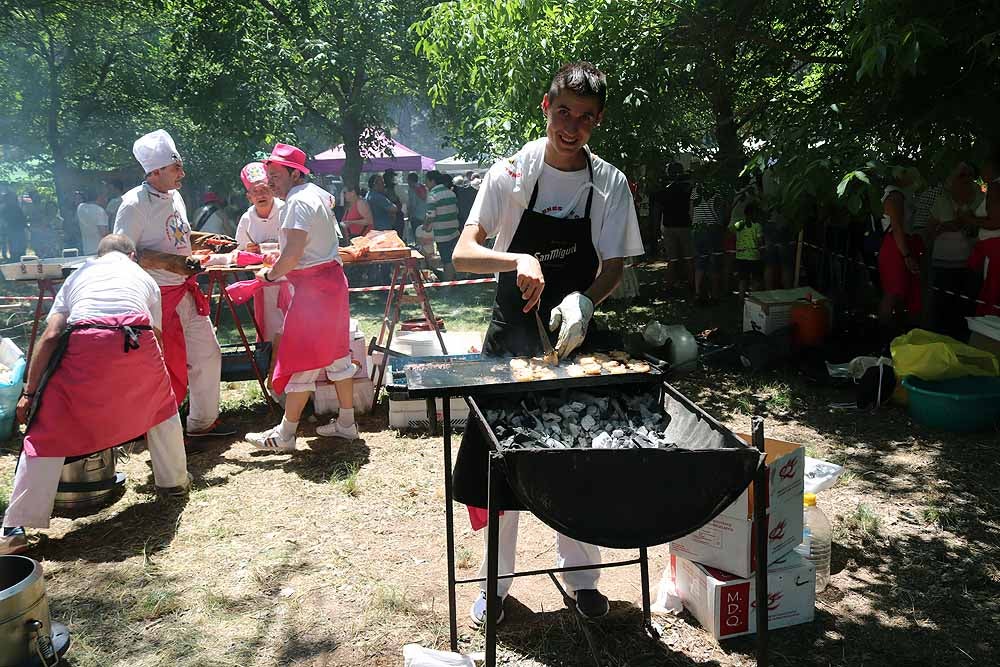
{"x":174,"y":347}
{"x":317,"y":322}
{"x":100,"y":395}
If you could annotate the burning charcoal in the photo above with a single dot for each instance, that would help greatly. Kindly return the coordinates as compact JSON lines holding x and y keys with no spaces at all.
{"x":554,"y":429}
{"x":574,"y":429}
{"x":577,"y":406}
{"x":602,"y":441}
{"x":588,"y":422}
{"x":553,"y":443}
{"x":593,"y":410}
{"x":551,"y":417}
{"x":618,"y":433}
{"x":642,"y":430}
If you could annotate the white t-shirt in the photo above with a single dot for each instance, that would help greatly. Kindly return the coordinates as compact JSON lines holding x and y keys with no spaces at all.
{"x":91,"y":216}
{"x":614,"y":225}
{"x":156,"y":221}
{"x":254,"y":229}
{"x":952,"y":247}
{"x":306,"y":209}
{"x":108,"y":286}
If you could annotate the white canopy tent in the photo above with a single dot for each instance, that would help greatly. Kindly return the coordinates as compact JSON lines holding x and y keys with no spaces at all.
{"x":459,"y":165}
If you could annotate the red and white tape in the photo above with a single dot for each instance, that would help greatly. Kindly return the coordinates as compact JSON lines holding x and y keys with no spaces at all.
{"x":442,"y":283}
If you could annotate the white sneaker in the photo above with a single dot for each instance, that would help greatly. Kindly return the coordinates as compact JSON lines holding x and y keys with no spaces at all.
{"x":271,"y":440}
{"x":478,"y":611}
{"x":335,"y":430}
{"x":15,"y":543}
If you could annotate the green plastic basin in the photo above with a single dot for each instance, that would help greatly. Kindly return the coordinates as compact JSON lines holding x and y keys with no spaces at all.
{"x":961,"y":405}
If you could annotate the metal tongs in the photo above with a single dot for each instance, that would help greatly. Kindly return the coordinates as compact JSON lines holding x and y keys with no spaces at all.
{"x":549,"y":356}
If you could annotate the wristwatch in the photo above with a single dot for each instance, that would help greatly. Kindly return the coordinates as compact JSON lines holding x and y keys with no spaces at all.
{"x":267,"y":277}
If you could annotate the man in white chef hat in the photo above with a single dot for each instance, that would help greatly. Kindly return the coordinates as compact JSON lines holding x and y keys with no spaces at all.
{"x":154,"y":217}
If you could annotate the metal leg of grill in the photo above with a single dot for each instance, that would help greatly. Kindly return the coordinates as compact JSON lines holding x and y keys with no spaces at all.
{"x":760,"y":519}
{"x":492,"y":566}
{"x":449,"y":521}
{"x":647,"y":614}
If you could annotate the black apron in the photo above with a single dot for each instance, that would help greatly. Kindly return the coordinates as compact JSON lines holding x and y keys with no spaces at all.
{"x":565,"y":249}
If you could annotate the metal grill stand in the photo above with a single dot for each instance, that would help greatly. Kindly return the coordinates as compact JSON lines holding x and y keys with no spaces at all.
{"x":492,"y":561}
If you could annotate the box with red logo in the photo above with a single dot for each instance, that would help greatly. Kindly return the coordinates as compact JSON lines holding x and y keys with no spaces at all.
{"x":728,"y":541}
{"x":726,"y":605}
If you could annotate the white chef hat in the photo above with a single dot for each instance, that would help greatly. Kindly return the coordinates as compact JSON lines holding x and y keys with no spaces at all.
{"x":155,"y":151}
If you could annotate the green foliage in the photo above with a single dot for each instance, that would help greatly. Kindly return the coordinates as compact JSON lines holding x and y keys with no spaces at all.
{"x":822,"y":93}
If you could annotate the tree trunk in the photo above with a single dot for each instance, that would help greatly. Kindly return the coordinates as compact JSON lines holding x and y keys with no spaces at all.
{"x":352,"y":150}
{"x":731,"y":156}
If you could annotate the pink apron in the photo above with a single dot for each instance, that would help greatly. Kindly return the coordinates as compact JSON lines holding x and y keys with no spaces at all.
{"x":174,"y":347}
{"x":317,"y":322}
{"x":104,"y":391}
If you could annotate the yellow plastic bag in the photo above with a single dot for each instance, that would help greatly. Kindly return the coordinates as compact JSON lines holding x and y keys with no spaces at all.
{"x":931,"y":356}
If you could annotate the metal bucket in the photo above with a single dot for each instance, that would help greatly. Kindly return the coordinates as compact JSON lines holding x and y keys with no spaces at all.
{"x":88,"y":482}
{"x":26,"y":633}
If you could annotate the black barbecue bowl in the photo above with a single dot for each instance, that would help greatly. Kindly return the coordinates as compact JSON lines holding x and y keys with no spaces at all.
{"x":628,"y":498}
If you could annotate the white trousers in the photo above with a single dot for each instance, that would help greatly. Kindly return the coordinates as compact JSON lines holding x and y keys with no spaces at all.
{"x":340,"y":369}
{"x":204,"y":364}
{"x":274,"y":318}
{"x":569,"y":553}
{"x":36,"y":481}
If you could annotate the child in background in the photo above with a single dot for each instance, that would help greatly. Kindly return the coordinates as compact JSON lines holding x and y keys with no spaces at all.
{"x":749,"y":231}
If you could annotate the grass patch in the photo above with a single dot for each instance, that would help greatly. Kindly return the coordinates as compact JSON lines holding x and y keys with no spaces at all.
{"x":6,"y":483}
{"x":463,"y":557}
{"x":779,"y":397}
{"x":389,"y":601}
{"x":945,"y":518}
{"x":864,"y":523}
{"x":153,"y":604}
{"x":241,"y":397}
{"x":345,"y":478}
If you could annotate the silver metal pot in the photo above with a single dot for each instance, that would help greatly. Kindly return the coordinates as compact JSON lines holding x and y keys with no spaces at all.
{"x":26,"y":633}
{"x":88,"y":482}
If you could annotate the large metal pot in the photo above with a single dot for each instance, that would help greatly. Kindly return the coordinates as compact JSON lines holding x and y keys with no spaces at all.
{"x":26,"y":632}
{"x":88,"y":482}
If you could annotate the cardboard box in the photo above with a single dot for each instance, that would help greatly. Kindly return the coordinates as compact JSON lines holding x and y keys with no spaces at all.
{"x":728,"y":542}
{"x":770,"y":311}
{"x":726,"y":605}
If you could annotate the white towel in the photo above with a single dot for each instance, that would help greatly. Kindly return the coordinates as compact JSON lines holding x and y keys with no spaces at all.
{"x":415,"y":655}
{"x":524,"y":167}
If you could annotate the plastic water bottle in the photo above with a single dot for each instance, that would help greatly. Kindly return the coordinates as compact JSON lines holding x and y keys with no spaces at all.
{"x":817,"y":536}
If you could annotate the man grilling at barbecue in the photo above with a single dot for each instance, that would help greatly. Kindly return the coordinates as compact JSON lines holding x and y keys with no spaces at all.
{"x":102,"y":332}
{"x":154,"y":217}
{"x":562,"y":220}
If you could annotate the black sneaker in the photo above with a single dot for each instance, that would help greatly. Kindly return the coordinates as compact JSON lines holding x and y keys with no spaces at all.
{"x":591,"y":603}
{"x":216,"y":430}
{"x":478,"y":611}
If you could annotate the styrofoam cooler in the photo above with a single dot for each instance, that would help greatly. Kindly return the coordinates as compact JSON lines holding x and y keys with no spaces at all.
{"x":413,"y":414}
{"x":325,"y":399}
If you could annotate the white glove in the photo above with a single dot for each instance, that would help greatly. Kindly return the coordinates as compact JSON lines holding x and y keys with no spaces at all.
{"x":571,"y":317}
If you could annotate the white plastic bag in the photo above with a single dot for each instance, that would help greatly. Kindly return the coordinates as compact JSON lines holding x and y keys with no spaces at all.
{"x":821,"y":475}
{"x":415,"y":655}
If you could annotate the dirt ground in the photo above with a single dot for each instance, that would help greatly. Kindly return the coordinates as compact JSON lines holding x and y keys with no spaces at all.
{"x":335,"y":554}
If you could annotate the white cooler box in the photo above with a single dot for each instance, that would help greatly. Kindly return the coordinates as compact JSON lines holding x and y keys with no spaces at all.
{"x":325,"y":398}
{"x":728,"y":541}
{"x":725,"y":605}
{"x":413,"y":414}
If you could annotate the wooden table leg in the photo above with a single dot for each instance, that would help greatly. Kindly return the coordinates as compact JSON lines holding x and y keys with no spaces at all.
{"x":44,"y":285}
{"x":425,"y":304}
{"x":389,"y":321}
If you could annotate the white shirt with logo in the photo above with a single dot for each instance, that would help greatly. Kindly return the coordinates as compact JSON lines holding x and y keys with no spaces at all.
{"x":614,"y":225}
{"x":254,"y":229}
{"x":306,"y":208}
{"x":158,"y":221}
{"x":91,"y":217}
{"x":108,"y":286}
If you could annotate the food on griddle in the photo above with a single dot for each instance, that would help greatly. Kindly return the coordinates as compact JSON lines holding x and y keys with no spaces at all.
{"x":638,"y":366}
{"x":586,"y":361}
{"x":618,"y":355}
{"x":519,"y":363}
{"x":610,"y":365}
{"x":618,"y":369}
{"x":575,"y":370}
{"x":600,"y":357}
{"x":591,"y":369}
